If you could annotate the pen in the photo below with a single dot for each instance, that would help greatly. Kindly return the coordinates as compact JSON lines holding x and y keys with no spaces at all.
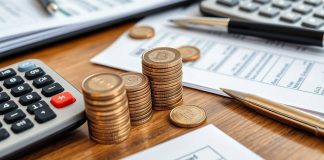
{"x":280,"y":112}
{"x":263,"y":30}
{"x":50,"y":5}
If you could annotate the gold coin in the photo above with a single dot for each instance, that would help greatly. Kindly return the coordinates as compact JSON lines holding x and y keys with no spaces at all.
{"x":189,"y":53}
{"x":177,"y":70}
{"x":141,"y":32}
{"x":106,"y":108}
{"x":138,"y":93}
{"x":188,"y":116}
{"x":139,"y":96}
{"x":107,"y":102}
{"x":170,"y":75}
{"x":141,"y":121}
{"x":178,"y":79}
{"x":134,"y":81}
{"x":102,"y":85}
{"x":140,"y":107}
{"x":160,"y":70}
{"x":104,"y":129}
{"x":138,"y":117}
{"x":104,"y":141}
{"x":168,"y":107}
{"x":174,"y":94}
{"x":160,"y":79}
{"x":161,"y":57}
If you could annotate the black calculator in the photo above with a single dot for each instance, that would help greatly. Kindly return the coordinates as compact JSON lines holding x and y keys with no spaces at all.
{"x":35,"y":104}
{"x":298,"y":13}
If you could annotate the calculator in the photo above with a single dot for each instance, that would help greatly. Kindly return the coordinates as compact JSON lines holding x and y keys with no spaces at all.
{"x":298,"y":13}
{"x":36,"y":104}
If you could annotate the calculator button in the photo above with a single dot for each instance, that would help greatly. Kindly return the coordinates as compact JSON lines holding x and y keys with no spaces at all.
{"x":282,"y":4}
{"x":7,"y":74}
{"x":62,"y":100}
{"x":34,"y":73}
{"x":31,"y":108}
{"x":249,"y":7}
{"x":4,"y":97}
{"x":52,"y":90}
{"x":229,"y":3}
{"x":21,"y":90}
{"x":262,"y":1}
{"x":319,"y":14}
{"x":22,"y":126}
{"x":269,"y":12}
{"x":42,"y":81}
{"x":26,"y":66}
{"x":3,"y":134}
{"x":13,"y":81}
{"x":29,"y":98}
{"x":302,"y":9}
{"x":313,"y":2}
{"x":44,"y":114}
{"x":290,"y":17}
{"x":312,"y":23}
{"x":7,"y":107}
{"x":14,"y":116}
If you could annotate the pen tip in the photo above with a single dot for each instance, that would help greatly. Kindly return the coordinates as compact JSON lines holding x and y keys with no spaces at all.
{"x":171,"y":20}
{"x":233,"y":93}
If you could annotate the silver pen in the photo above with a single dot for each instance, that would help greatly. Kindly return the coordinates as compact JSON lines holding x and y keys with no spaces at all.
{"x":50,"y":6}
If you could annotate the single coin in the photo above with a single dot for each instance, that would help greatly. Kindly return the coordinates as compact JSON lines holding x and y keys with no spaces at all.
{"x":107,"y":102}
{"x":168,"y":107}
{"x":170,"y":75}
{"x":189,"y":53}
{"x":161,"y":57}
{"x":188,"y":116}
{"x":138,"y":96}
{"x":141,"y":32}
{"x":134,"y":81}
{"x":134,"y":94}
{"x":102,"y":85}
{"x":141,"y":121}
{"x":160,"y":70}
{"x":167,"y":82}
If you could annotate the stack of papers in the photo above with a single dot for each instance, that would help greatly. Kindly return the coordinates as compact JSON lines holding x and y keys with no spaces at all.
{"x":286,"y":73}
{"x":26,"y":22}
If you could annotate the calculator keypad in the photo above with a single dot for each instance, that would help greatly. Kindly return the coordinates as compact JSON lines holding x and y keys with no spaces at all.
{"x":29,"y":100}
{"x":297,"y":13}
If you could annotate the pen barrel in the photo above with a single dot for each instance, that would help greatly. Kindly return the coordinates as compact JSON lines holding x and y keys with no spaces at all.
{"x":277,"y":32}
{"x":286,"y":114}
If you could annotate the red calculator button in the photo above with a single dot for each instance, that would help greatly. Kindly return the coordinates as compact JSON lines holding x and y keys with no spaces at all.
{"x":62,"y":100}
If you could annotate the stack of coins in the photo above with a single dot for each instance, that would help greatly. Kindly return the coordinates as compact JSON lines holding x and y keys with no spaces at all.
{"x":106,"y":108}
{"x":139,"y":97}
{"x":163,"y":67}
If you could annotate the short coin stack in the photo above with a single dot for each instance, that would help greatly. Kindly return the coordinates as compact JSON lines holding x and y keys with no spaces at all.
{"x":163,"y":67}
{"x":139,"y":97}
{"x":106,"y":108}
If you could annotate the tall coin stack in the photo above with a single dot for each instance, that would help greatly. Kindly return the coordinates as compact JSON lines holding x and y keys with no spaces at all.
{"x":106,"y":108}
{"x":163,"y":67}
{"x":139,"y":97}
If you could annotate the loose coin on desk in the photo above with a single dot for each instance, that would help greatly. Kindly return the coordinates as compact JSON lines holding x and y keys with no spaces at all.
{"x":188,"y":116}
{"x":189,"y":53}
{"x":141,"y":32}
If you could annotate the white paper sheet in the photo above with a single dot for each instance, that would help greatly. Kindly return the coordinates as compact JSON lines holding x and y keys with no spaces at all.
{"x":283,"y":72}
{"x":19,"y":17}
{"x":206,"y":143}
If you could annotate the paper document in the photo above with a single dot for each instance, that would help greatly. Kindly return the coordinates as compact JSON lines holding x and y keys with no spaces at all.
{"x":286,"y":73}
{"x":25,"y":22}
{"x":206,"y":143}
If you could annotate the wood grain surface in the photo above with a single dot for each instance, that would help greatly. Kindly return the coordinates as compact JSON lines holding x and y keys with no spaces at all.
{"x":70,"y":58}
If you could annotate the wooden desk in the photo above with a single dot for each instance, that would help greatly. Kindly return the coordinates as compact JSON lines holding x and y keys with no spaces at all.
{"x":262,"y":135}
